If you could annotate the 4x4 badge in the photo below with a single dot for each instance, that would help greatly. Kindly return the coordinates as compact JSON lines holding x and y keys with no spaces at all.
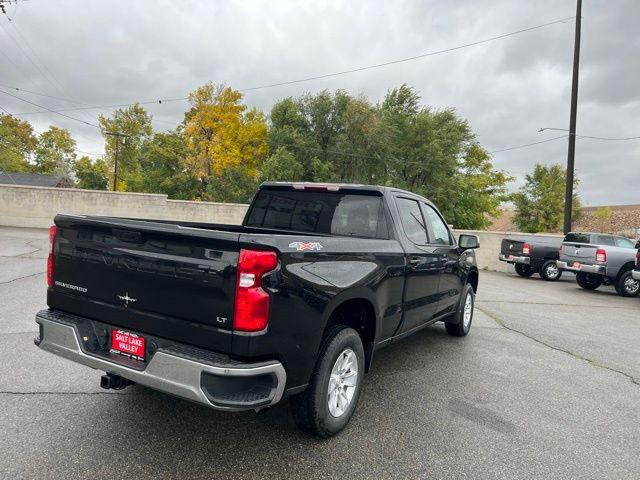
{"x":126,"y":298}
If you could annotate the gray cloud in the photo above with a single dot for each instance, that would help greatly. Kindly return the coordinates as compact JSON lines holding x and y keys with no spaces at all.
{"x":119,"y":51}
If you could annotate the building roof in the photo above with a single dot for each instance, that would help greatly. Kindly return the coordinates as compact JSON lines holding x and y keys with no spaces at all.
{"x":30,"y":179}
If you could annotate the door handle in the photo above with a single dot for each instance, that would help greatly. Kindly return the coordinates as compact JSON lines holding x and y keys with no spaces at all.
{"x":415,"y":261}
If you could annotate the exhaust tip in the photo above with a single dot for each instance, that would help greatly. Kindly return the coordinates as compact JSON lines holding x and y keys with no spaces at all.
{"x":114,"y":382}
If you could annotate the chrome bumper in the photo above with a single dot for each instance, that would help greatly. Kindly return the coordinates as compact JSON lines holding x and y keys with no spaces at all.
{"x":511,"y":259}
{"x":636,"y":274}
{"x":166,"y":372}
{"x":595,"y":269}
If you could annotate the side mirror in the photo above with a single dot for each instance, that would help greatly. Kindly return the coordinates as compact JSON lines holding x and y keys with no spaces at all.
{"x":468,"y":242}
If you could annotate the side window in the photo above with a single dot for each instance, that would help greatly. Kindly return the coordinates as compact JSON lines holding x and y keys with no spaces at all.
{"x":440,"y":231}
{"x":605,"y":240}
{"x":624,"y":242}
{"x":412,"y":221}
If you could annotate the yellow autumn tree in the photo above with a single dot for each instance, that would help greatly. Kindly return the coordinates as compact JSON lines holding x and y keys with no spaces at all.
{"x":222,"y":136}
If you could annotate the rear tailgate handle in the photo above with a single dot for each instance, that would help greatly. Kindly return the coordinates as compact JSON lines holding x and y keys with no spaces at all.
{"x":128,"y":236}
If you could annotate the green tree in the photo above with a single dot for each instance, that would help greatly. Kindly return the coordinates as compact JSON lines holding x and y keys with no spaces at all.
{"x":425,"y":146}
{"x":477,"y":190}
{"x":55,"y":152}
{"x":91,"y":175}
{"x":400,"y":142}
{"x":540,"y":202}
{"x":135,"y":123}
{"x":163,"y":167}
{"x":343,"y":133}
{"x":234,"y":184}
{"x":282,"y":166}
{"x":17,"y":144}
{"x":603,"y":217}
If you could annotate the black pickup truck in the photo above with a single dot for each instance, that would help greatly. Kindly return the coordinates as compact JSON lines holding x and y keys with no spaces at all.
{"x":531,"y":254}
{"x":292,"y":303}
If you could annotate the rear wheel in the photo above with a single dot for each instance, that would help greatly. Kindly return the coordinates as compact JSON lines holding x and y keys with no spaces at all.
{"x":523,"y":270}
{"x":550,"y":271}
{"x":627,"y":286}
{"x":460,"y":324}
{"x":588,"y":281}
{"x":328,"y":403}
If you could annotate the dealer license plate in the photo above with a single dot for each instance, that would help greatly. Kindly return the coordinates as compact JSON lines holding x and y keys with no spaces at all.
{"x":128,"y":344}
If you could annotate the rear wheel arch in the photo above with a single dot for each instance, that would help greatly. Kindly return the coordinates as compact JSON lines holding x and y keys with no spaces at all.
{"x":624,"y":268}
{"x":359,"y":314}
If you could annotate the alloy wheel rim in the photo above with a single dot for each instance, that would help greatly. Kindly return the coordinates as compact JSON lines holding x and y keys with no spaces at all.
{"x":342,"y":383}
{"x":468,"y":311}
{"x":552,"y":270}
{"x":631,"y":285}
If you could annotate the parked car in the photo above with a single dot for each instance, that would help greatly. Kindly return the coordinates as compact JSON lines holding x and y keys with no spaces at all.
{"x":600,"y":259}
{"x":292,"y":303}
{"x":636,"y":272}
{"x":532,"y":254}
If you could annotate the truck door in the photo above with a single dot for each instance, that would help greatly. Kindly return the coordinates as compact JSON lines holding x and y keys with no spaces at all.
{"x":447,"y":252}
{"x":423,"y":266}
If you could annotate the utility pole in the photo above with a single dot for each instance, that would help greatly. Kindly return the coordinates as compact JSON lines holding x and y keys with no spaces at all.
{"x":117,"y":135}
{"x":568,"y":196}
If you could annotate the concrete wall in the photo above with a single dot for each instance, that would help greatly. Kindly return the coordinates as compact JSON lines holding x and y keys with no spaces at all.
{"x":487,"y":254}
{"x":22,"y":206}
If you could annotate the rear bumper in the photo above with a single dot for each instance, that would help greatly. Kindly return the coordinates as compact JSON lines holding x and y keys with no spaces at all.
{"x":193,"y":374}
{"x":635,"y":274}
{"x":505,"y":258}
{"x":595,"y":269}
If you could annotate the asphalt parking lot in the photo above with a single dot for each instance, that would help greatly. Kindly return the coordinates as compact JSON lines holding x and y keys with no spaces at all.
{"x":547,"y":385}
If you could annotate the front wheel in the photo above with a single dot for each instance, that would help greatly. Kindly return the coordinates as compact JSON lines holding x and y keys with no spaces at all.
{"x":523,"y":270}
{"x":328,"y":403}
{"x":627,"y":286}
{"x":460,"y":324}
{"x":550,"y":271}
{"x":588,"y":281}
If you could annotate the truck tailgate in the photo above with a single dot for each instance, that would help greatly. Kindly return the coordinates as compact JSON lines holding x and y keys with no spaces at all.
{"x":156,"y":278}
{"x":511,"y":247}
{"x":578,"y":252}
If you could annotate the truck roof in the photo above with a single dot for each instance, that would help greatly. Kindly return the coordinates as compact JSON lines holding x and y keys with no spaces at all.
{"x":334,"y":187}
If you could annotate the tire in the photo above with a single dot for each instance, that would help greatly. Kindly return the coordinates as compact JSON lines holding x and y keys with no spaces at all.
{"x":627,"y":286}
{"x":550,"y":271}
{"x":311,"y":409}
{"x":588,"y":281}
{"x":523,"y":270}
{"x":460,"y":324}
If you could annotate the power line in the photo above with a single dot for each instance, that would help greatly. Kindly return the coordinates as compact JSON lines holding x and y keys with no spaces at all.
{"x":608,"y":138}
{"x":49,"y":110}
{"x":328,"y":75}
{"x":56,"y":82}
{"x":24,"y":90}
{"x":589,"y":136}
{"x":527,"y":145}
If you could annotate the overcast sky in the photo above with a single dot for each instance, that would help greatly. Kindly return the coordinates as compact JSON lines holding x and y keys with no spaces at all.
{"x":103,"y":52}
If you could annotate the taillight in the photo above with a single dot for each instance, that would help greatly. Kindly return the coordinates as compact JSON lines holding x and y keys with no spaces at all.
{"x":251,"y":312}
{"x":526,"y":249}
{"x":601,"y":255}
{"x":52,"y":238}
